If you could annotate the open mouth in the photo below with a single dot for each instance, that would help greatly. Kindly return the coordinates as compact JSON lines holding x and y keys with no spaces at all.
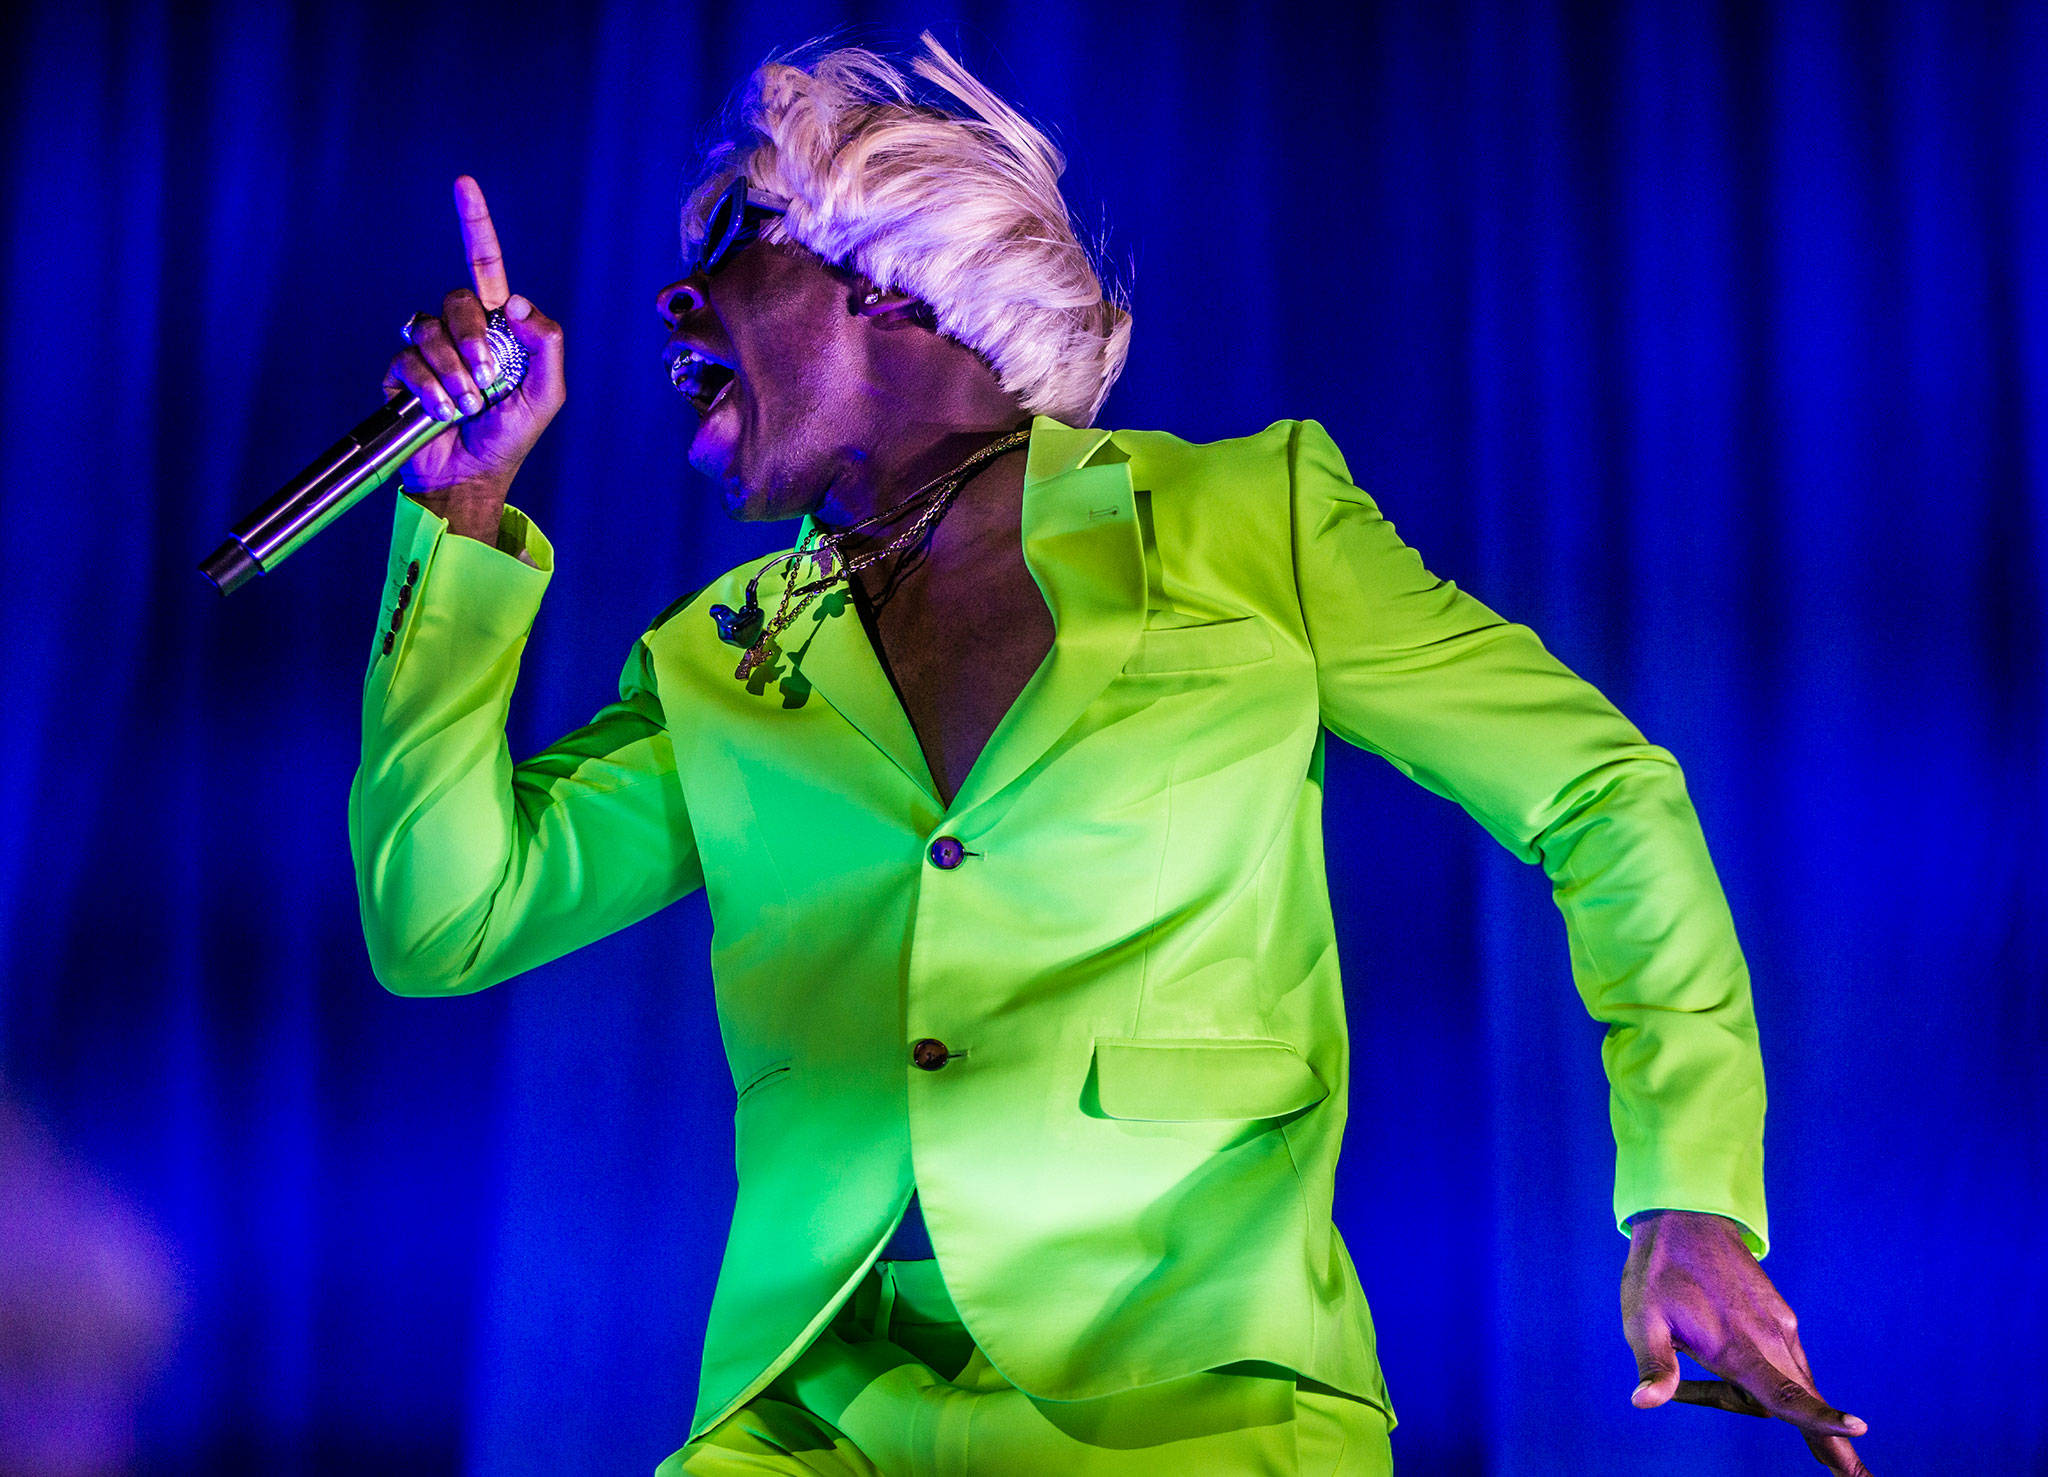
{"x":701,"y":380}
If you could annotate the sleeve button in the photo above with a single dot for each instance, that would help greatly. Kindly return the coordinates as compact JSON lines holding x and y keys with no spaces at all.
{"x":389,"y":637}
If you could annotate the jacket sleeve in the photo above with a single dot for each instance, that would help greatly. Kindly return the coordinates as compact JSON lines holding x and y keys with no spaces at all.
{"x":471,"y":869}
{"x":1475,"y":709}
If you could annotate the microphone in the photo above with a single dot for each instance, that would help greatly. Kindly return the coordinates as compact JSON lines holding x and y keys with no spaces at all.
{"x":348,"y":471}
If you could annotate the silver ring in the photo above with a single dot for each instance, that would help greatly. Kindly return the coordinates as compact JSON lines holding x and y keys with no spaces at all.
{"x":412,"y":323}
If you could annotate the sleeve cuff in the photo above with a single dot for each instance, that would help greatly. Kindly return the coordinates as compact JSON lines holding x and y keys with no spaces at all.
{"x":491,"y":591}
{"x":520,"y":536}
{"x":1716,"y":1182}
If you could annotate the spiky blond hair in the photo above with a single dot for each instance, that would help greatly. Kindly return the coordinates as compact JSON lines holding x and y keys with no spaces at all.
{"x":962,"y":212}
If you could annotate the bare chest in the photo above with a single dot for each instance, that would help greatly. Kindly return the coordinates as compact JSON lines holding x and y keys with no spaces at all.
{"x":958,"y":651}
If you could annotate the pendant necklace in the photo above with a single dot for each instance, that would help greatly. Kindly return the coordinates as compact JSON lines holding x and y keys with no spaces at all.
{"x":744,"y":624}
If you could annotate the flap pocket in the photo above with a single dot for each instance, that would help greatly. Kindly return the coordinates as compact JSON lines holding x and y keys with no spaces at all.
{"x":1195,"y":1080}
{"x":1231,"y":643}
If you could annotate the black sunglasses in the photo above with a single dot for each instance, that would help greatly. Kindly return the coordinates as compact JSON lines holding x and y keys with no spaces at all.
{"x":734,"y":221}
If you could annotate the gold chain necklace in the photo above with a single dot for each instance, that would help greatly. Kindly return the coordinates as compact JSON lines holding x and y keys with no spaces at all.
{"x":735,"y":626}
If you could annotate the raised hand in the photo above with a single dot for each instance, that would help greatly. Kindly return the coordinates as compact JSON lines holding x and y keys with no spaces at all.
{"x":471,"y":469}
{"x":1691,"y":1285}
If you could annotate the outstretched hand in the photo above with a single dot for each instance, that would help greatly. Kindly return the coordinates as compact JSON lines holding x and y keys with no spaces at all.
{"x":1692,"y":1285}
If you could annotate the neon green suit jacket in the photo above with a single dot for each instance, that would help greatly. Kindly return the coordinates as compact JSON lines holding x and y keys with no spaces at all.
{"x":1126,"y":1158}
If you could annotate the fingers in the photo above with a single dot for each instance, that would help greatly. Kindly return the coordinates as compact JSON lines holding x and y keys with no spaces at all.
{"x":480,"y":243}
{"x":451,"y":359}
{"x":1648,"y":1332}
{"x":1656,"y":1363}
{"x":1832,"y":1452}
{"x":1837,"y":1455}
{"x":462,"y":314}
{"x":1720,"y":1395}
{"x":442,"y":364}
{"x":541,"y":337}
{"x":413,"y":370}
{"x":1786,"y":1396}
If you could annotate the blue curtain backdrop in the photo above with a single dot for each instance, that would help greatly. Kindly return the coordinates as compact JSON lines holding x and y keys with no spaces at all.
{"x":1710,"y":341}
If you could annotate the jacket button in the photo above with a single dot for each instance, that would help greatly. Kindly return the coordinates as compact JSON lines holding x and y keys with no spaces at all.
{"x":946,"y":853}
{"x":930,"y":1054}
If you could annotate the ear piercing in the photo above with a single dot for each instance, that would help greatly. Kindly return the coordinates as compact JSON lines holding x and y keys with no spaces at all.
{"x":872,"y":298}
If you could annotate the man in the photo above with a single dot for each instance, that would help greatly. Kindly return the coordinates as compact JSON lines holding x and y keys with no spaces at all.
{"x":1004,"y":787}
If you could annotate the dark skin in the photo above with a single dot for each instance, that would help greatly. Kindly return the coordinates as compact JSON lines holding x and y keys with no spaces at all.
{"x":842,"y":407}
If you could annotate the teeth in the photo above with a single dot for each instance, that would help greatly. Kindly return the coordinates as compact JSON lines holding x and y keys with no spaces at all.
{"x":686,"y":366}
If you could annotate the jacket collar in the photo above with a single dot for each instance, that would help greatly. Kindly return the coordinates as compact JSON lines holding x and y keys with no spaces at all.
{"x":1081,"y":544}
{"x":1058,"y":449}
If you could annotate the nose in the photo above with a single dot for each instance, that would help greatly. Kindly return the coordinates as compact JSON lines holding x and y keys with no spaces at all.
{"x":680,"y":298}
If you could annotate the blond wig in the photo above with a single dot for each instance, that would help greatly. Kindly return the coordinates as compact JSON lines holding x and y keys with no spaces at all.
{"x":962,"y":212}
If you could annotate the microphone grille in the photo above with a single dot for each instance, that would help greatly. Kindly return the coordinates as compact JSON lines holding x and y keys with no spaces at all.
{"x":506,"y":352}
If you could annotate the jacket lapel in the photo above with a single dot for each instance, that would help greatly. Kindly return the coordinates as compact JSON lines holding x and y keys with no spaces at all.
{"x":1081,"y":544}
{"x":830,"y":646}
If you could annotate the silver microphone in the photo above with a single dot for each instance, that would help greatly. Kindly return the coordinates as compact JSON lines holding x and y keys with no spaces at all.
{"x":348,"y":471}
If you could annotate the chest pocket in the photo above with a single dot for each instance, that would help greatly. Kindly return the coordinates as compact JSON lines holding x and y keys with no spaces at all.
{"x":1237,"y":642}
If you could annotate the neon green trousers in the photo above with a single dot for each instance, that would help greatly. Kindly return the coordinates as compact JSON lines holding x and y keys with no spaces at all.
{"x":895,"y":1387}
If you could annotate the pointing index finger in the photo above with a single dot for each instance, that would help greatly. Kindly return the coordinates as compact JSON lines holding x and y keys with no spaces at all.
{"x":1787,"y":1396}
{"x":480,"y":243}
